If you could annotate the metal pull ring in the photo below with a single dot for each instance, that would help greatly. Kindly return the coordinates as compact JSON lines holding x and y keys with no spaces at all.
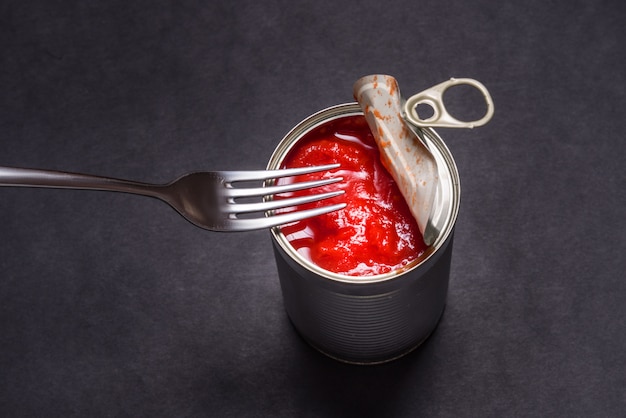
{"x":433,"y":97}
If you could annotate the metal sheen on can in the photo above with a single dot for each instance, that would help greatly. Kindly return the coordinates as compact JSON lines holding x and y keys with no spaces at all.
{"x":370,"y":319}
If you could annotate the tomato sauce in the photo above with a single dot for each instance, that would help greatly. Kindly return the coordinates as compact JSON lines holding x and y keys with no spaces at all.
{"x":376,"y":232}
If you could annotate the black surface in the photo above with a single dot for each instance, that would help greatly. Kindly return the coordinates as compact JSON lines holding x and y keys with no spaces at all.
{"x":113,"y":305}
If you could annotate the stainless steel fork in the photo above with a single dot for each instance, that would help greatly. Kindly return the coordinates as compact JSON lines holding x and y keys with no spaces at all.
{"x":210,"y":200}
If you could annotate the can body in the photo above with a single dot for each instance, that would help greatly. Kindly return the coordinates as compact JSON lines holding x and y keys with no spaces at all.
{"x":370,"y":319}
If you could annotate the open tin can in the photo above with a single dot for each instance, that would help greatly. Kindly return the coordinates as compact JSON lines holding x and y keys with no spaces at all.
{"x":370,"y":319}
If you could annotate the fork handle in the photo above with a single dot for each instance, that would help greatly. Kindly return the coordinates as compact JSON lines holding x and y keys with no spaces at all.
{"x":28,"y":177}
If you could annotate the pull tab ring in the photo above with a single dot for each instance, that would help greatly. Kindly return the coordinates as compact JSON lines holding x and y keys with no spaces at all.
{"x":433,"y":97}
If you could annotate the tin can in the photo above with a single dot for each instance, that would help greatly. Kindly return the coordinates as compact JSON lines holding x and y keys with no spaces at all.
{"x":369,"y":319}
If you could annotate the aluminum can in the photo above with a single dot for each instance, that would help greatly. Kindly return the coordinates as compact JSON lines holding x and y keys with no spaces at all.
{"x":370,"y":319}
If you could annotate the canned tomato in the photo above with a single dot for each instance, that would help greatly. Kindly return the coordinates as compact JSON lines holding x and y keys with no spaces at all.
{"x":379,"y":317}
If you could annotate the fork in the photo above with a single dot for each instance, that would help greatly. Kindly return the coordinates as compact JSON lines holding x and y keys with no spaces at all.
{"x":209,"y":200}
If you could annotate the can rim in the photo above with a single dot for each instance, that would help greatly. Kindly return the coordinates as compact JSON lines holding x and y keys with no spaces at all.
{"x":451,"y":195}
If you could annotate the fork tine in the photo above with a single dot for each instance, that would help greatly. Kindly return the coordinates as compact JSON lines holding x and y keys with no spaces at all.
{"x":280,"y":203}
{"x":270,"y":190}
{"x":276,"y":220}
{"x":233,"y":176}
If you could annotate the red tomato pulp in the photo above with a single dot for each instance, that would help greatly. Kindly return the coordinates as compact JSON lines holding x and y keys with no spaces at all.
{"x":375,"y":233}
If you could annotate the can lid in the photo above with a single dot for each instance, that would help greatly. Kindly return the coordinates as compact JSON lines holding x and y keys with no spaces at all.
{"x":405,"y":157}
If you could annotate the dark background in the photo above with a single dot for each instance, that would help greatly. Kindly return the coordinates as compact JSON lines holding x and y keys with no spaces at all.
{"x":113,"y":305}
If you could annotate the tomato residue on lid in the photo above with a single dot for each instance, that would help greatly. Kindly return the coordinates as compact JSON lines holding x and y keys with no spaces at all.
{"x":376,"y":233}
